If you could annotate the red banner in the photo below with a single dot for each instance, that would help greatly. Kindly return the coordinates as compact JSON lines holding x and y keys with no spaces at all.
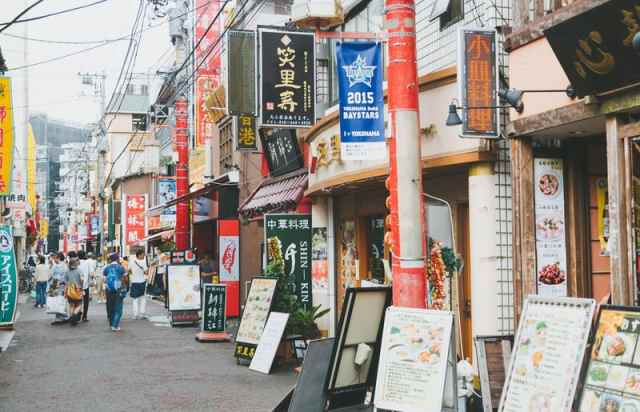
{"x":208,"y":77}
{"x":135,"y":224}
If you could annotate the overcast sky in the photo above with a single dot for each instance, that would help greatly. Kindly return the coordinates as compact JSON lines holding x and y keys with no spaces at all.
{"x":55,"y":88}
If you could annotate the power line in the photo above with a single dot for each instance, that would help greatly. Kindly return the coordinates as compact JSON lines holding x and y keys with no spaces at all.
{"x":22,"y":13}
{"x":54,"y":59}
{"x":44,"y":16}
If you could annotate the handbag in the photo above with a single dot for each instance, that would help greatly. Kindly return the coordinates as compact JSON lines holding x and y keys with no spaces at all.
{"x":56,"y":305}
{"x":73,"y":292}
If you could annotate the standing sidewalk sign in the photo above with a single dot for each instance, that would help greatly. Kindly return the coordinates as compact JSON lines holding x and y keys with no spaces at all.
{"x":417,"y":361}
{"x":269,"y":342}
{"x":547,"y":356}
{"x":214,"y":318}
{"x":492,"y":358}
{"x":254,"y":317}
{"x":288,"y":238}
{"x":183,"y":289}
{"x":360,"y":74}
{"x":8,"y":278}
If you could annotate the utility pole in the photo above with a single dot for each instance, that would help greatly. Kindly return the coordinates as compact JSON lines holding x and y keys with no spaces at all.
{"x":406,"y":208}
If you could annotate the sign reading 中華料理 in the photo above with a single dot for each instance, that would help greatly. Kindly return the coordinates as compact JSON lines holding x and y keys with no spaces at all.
{"x":478,"y":74}
{"x":246,"y":135}
{"x":360,"y":74}
{"x":8,"y":278}
{"x":288,"y":239}
{"x":214,"y":308}
{"x":6,"y":135}
{"x":287,"y":86}
{"x":551,"y":250}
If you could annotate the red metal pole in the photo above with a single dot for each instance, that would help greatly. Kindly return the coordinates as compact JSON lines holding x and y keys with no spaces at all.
{"x":406,"y":210}
{"x":182,"y":175}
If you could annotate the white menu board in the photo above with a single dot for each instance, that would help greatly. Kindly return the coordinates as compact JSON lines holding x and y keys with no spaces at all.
{"x":256,"y":310}
{"x":547,"y":355}
{"x":413,"y":360}
{"x":269,"y":342}
{"x":551,"y":247}
{"x":184,"y":287}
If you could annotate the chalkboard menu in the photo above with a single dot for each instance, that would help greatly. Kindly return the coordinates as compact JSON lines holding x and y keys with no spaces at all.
{"x":213,"y":308}
{"x":493,"y":354}
{"x":612,"y":381}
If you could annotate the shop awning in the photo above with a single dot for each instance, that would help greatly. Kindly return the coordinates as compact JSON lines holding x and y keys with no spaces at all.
{"x":167,"y":234}
{"x":277,"y":194}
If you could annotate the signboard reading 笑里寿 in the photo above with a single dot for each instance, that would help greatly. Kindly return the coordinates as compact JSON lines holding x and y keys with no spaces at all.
{"x":246,"y":135}
{"x":6,"y":135}
{"x":288,"y":239}
{"x":8,"y":278}
{"x":287,"y":63}
{"x":214,"y":308}
{"x":360,"y":74}
{"x":477,"y":69}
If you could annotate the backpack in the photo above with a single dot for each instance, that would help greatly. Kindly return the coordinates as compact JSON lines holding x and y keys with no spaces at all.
{"x":113,"y":273}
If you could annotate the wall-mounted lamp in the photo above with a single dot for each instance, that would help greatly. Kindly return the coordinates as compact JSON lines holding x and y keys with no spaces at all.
{"x":454,"y":120}
{"x":514,"y":96}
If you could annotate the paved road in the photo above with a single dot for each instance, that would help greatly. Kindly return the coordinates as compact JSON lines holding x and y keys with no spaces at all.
{"x":145,"y":367}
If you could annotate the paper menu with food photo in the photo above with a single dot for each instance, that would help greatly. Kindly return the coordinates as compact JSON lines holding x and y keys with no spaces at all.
{"x":547,"y":357}
{"x":612,"y":380}
{"x":551,"y":253}
{"x":413,"y":360}
{"x":184,"y":287}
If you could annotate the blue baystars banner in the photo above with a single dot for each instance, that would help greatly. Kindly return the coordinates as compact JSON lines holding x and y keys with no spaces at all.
{"x":360,"y":74}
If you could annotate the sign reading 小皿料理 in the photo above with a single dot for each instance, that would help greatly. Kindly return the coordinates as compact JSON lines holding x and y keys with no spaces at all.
{"x":478,"y":74}
{"x":288,"y":239}
{"x":214,"y":308}
{"x":254,"y":317}
{"x":360,"y":74}
{"x":287,"y":86}
{"x":8,"y":278}
{"x":547,"y":355}
{"x":551,"y":250}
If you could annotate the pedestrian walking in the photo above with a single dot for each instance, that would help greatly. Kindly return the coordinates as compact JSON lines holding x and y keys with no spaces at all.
{"x":85,"y":271}
{"x":115,"y":280}
{"x":73,"y":290}
{"x":42,"y":280}
{"x":58,"y":270}
{"x":139,"y":270}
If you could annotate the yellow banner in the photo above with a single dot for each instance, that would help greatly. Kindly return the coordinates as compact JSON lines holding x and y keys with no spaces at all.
{"x":6,"y":135}
{"x":44,"y":228}
{"x":31,"y":170}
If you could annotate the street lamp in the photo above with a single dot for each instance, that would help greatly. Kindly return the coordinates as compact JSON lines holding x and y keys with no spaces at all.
{"x":454,"y":120}
{"x":514,"y":96}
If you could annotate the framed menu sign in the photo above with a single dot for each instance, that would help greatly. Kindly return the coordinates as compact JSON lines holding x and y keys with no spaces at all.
{"x":416,"y":347}
{"x":612,"y":379}
{"x":547,"y":355}
{"x":254,"y":317}
{"x":492,"y":357}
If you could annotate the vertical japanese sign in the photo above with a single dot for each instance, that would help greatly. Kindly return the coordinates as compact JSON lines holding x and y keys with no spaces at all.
{"x":135,"y":227}
{"x":551,"y":248}
{"x":214,"y":308}
{"x":166,"y":193}
{"x":6,"y":135}
{"x":31,"y":170}
{"x":360,"y":74}
{"x":208,"y":75}
{"x":247,"y":137}
{"x":229,"y":261}
{"x":282,"y":151}
{"x":241,"y":72}
{"x":8,"y":278}
{"x":287,"y":63}
{"x":478,"y":80}
{"x":288,"y":239}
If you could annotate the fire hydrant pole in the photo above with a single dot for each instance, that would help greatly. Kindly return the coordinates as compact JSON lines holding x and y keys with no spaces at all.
{"x":406,"y":211}
{"x":182,"y":175}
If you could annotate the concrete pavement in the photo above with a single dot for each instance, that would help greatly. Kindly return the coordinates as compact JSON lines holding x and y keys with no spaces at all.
{"x":145,"y":367}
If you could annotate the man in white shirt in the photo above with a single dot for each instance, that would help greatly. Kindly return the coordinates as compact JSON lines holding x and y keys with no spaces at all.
{"x":85,"y":272}
{"x":138,"y":267}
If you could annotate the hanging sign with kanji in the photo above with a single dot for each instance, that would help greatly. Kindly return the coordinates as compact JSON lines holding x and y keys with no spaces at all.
{"x":214,"y":308}
{"x":135,"y":222}
{"x":478,"y":74}
{"x":246,"y":134}
{"x":287,"y":86}
{"x":6,"y":135}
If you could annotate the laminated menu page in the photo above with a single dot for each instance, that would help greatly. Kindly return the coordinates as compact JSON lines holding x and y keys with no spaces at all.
{"x":547,"y":356}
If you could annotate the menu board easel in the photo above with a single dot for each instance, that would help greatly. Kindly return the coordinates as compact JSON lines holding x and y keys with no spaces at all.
{"x":417,"y":369}
{"x":183,"y":292}
{"x":492,"y":357}
{"x":547,"y":356}
{"x":254,"y":317}
{"x":612,"y":378}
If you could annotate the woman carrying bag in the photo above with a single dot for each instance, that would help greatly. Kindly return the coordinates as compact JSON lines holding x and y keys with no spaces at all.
{"x":138,"y":267}
{"x":73,"y":290}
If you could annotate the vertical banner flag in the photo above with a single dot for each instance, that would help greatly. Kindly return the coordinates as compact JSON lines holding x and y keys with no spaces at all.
{"x":6,"y":135}
{"x":229,"y":261}
{"x":166,"y":193}
{"x":478,"y":74}
{"x":360,"y":74}
{"x":287,"y":63}
{"x":208,"y":75}
{"x":8,"y":278}
{"x":246,"y":133}
{"x":31,"y":170}
{"x":288,"y":239}
{"x":241,"y":83}
{"x":135,"y":222}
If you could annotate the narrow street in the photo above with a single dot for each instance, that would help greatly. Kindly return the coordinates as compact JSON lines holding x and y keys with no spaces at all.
{"x":150,"y":365}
